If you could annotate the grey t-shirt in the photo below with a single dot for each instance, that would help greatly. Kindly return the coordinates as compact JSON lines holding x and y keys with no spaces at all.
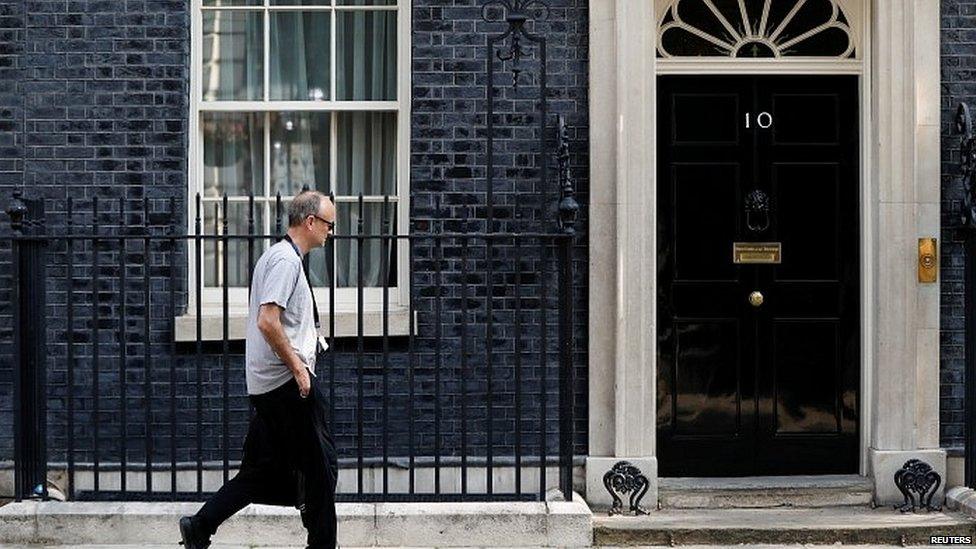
{"x":278,"y":278}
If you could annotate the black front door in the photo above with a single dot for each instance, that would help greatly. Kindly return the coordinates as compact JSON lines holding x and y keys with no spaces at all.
{"x":758,"y":360}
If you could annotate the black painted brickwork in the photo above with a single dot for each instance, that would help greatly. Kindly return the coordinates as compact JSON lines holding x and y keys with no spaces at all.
{"x":96,"y":92}
{"x":448,"y":146}
{"x":958,"y":84}
{"x":103,"y":89}
{"x":11,"y":166}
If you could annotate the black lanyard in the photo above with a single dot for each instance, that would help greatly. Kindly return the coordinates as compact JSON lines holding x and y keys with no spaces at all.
{"x":315,"y":308}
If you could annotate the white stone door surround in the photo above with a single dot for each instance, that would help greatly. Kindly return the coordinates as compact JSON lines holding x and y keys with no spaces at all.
{"x":900,"y":156}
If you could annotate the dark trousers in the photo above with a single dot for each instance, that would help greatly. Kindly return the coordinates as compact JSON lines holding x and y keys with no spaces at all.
{"x":289,"y":459}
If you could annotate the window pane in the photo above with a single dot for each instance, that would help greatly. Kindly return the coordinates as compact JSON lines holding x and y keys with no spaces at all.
{"x":347,"y":252}
{"x":233,"y":59}
{"x":233,"y":159}
{"x":299,"y":152}
{"x":301,"y":3}
{"x":366,"y":56}
{"x":366,"y":2}
{"x":366,"y":158}
{"x":220,"y":3}
{"x":236,"y":253}
{"x":300,"y":55}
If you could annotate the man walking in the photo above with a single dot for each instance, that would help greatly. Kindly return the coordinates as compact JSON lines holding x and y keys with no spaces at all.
{"x":289,"y":456}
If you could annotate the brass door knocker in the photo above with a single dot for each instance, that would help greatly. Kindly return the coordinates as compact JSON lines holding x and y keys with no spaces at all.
{"x":757,"y":211}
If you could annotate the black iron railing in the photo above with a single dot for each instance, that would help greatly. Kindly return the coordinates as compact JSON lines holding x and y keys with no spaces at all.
{"x":473,"y":400}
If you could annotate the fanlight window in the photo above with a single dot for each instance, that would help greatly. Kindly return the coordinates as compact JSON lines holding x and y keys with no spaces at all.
{"x":755,"y":28}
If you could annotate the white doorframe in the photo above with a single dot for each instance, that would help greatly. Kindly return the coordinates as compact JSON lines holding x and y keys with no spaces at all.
{"x":899,"y":318}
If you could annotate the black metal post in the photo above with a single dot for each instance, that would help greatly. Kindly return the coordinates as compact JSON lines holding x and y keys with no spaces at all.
{"x":568,"y":212}
{"x":516,"y":14}
{"x":30,"y":345}
{"x":969,"y":272}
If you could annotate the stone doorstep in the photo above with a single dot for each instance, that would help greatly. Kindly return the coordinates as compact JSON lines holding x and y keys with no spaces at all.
{"x":961,"y":499}
{"x":490,"y":524}
{"x":832,"y":525}
{"x":751,"y":492}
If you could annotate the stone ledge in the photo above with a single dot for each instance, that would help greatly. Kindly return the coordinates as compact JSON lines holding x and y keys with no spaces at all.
{"x":490,"y":524}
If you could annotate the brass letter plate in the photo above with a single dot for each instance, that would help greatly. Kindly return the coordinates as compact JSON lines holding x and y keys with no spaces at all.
{"x":757,"y":252}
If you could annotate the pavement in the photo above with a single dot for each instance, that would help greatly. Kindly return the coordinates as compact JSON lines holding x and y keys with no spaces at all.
{"x":536,"y":547}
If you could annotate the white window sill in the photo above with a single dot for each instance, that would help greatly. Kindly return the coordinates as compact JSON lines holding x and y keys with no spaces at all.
{"x":212,"y":324}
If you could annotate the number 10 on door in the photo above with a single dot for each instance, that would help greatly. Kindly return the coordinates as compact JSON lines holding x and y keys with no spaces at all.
{"x":764,"y":120}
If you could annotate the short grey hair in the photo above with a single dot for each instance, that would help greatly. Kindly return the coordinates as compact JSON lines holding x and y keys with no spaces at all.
{"x":303,"y":205}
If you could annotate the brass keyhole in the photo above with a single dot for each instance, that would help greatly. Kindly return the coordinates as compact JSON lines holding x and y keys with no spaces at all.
{"x":756,"y":299}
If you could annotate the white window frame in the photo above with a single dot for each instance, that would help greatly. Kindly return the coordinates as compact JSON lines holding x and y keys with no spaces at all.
{"x":346,"y":298}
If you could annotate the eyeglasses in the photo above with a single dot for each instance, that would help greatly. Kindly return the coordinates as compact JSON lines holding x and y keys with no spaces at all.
{"x":331,"y":224}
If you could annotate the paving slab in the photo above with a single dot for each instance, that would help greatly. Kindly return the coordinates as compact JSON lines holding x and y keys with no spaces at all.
{"x":468,"y":524}
{"x":218,"y":546}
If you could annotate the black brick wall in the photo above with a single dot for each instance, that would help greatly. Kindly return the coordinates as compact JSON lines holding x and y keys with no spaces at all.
{"x":448,"y":146}
{"x":958,"y":84}
{"x":11,"y":168}
{"x":99,"y":92}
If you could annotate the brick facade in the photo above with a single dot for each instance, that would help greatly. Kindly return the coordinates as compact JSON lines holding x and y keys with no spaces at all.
{"x":98,"y":92}
{"x":958,"y":85}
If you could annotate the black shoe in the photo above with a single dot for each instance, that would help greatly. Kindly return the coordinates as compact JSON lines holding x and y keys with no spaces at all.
{"x":193,"y":538}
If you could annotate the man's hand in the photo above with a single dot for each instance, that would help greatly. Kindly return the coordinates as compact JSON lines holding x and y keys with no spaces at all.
{"x":304,"y":382}
{"x":269,"y":323}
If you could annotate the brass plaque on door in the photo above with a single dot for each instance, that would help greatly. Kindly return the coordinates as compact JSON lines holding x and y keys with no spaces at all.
{"x":757,"y":252}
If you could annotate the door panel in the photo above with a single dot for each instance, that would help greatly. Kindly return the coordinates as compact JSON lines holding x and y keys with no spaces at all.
{"x":701,"y":225}
{"x":707,"y":377}
{"x":768,"y":389}
{"x":805,"y":362}
{"x":705,"y":118}
{"x":814,"y":255}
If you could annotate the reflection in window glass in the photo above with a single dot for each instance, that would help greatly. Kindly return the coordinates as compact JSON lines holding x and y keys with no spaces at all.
{"x":366,"y":156}
{"x":311,"y":58}
{"x":348,"y":250}
{"x":300,"y":55}
{"x":222,"y":3}
{"x":236,"y":252}
{"x":365,"y":2}
{"x":366,"y":55}
{"x":300,"y":2}
{"x":299,"y":152}
{"x":233,"y":159}
{"x":233,"y":55}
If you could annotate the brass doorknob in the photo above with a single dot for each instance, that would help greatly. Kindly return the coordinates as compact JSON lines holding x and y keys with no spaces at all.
{"x":756,"y":299}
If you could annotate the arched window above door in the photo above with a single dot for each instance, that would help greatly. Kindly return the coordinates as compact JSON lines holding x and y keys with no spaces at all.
{"x":756,"y":29}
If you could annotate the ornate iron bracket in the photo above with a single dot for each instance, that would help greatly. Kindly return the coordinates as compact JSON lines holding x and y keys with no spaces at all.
{"x":516,"y":13}
{"x":625,"y":478}
{"x":967,"y":162}
{"x":917,"y":477}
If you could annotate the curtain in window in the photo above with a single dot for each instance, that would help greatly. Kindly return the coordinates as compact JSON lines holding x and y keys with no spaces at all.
{"x":366,"y":163}
{"x":233,"y":56}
